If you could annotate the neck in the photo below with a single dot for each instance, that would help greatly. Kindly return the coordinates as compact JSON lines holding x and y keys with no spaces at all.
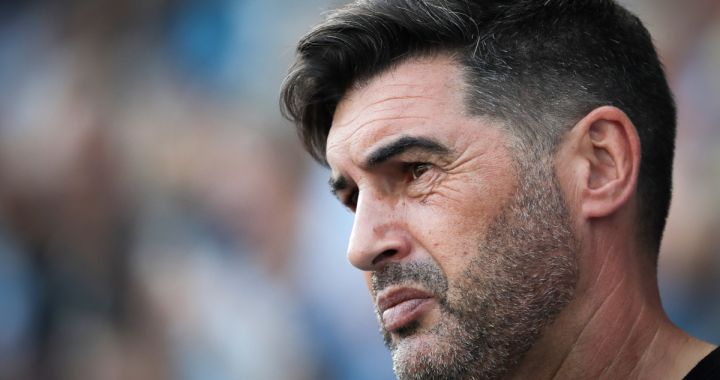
{"x":614,"y":328}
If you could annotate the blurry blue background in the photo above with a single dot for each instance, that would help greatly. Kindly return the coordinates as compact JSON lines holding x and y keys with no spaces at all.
{"x":158,"y":219}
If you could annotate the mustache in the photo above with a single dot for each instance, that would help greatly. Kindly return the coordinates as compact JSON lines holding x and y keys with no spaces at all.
{"x":426,"y":274}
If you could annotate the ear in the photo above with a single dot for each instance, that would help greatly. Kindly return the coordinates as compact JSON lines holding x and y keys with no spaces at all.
{"x":602,"y":152}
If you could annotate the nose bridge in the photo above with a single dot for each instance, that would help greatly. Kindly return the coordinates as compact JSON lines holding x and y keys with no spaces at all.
{"x":378,"y":232}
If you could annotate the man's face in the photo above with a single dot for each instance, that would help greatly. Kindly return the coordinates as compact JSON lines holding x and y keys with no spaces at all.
{"x":468,"y":252}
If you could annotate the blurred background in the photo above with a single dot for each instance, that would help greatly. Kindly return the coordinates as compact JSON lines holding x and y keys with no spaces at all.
{"x":158,"y":219}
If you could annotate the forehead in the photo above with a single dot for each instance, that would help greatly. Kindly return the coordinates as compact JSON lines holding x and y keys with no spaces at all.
{"x":419,"y":97}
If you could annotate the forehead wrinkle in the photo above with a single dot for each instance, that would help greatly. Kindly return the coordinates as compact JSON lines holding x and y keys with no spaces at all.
{"x":371,"y":134}
{"x":372,"y":115}
{"x":338,"y":144}
{"x":364,"y":110}
{"x":367,"y":99}
{"x":376,"y":116}
{"x":364,"y":143}
{"x":389,"y":99}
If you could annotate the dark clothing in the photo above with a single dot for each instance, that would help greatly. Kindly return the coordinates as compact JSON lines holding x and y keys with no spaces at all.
{"x":706,"y":369}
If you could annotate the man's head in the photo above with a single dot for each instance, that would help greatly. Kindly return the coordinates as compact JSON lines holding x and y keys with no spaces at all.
{"x":468,"y":253}
{"x":442,"y":122}
{"x":539,"y":66}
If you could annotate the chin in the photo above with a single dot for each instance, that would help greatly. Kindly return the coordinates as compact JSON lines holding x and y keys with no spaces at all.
{"x":425,"y":353}
{"x":417,"y":356}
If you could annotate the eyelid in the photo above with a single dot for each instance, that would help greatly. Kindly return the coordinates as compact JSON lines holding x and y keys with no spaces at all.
{"x":349,"y":196}
{"x":350,"y":200}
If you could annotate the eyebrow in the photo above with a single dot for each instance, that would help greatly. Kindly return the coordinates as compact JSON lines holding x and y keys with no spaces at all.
{"x":388,"y":151}
{"x":402,"y":145}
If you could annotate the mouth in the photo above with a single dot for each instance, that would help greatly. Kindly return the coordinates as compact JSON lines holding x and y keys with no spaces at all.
{"x":401,"y":306}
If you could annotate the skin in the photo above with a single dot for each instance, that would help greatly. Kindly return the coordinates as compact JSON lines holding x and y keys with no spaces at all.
{"x":408,"y":204}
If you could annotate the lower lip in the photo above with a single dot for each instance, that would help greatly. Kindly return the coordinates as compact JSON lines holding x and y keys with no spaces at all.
{"x":405,"y":312}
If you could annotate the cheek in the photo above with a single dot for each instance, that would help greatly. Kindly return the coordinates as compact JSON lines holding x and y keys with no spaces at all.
{"x":450,"y":235}
{"x":451,"y":227}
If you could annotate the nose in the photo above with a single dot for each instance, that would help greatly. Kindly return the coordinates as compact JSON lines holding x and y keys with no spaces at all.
{"x":379,"y":234}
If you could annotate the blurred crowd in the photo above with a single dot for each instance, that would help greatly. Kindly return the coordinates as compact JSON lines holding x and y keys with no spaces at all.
{"x":158,"y":219}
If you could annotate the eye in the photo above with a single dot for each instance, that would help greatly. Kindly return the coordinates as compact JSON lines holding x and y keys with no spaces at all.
{"x":351,"y":200}
{"x":418,"y":169}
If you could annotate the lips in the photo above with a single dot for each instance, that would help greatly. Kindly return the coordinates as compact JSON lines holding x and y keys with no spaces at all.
{"x":400,"y":306}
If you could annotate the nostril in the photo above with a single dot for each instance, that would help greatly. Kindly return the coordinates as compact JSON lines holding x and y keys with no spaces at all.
{"x":384,"y":255}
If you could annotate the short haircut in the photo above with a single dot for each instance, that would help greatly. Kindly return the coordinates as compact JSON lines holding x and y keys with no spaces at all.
{"x":538,"y":65}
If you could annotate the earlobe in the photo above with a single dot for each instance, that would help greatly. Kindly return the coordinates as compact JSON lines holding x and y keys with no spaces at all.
{"x":612,"y":153}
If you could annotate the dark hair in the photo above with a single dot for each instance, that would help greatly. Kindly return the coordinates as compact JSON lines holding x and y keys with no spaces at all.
{"x":538,"y":65}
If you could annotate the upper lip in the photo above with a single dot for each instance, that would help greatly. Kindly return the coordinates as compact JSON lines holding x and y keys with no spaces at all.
{"x":396,"y":295}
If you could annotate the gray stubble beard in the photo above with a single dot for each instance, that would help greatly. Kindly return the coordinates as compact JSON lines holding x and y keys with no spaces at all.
{"x":523,"y":276}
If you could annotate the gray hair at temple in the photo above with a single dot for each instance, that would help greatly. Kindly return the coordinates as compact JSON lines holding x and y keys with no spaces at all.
{"x":537,"y":65}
